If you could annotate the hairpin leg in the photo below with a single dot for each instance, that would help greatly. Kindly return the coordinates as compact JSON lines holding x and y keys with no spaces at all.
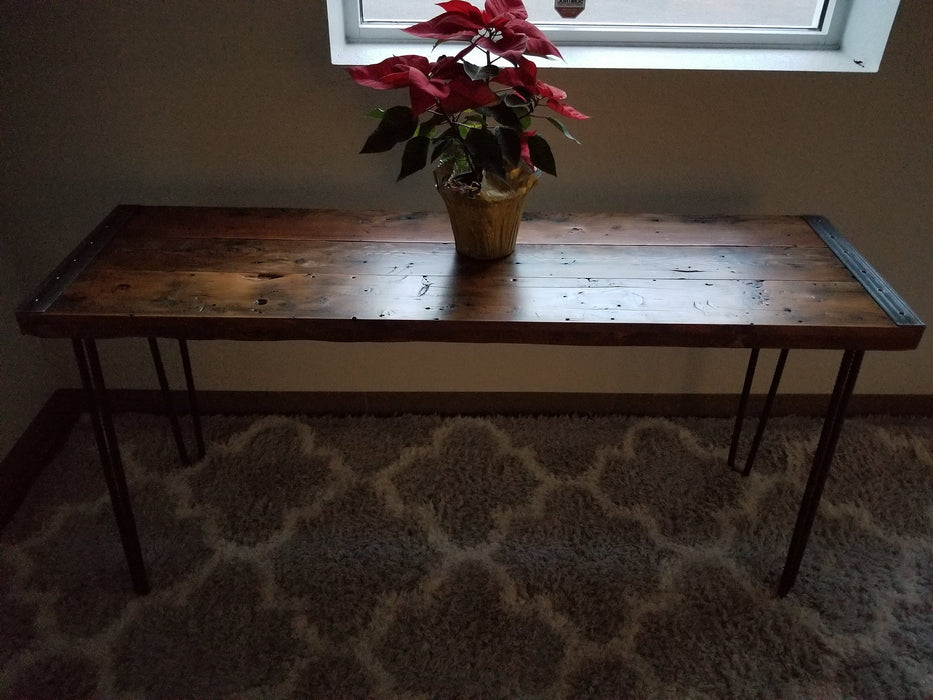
{"x":167,"y":399}
{"x":170,"y":405}
{"x":765,"y":411}
{"x":819,"y":471}
{"x":743,"y":404}
{"x":98,"y":406}
{"x":192,"y":396}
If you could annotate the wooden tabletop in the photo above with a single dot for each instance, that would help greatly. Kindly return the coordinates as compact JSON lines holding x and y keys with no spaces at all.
{"x":575,"y":279}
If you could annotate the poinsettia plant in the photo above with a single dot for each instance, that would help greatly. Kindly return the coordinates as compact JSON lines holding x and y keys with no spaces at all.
{"x":475,"y":115}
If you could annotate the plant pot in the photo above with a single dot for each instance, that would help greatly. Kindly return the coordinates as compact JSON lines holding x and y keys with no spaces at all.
{"x":485,"y":221}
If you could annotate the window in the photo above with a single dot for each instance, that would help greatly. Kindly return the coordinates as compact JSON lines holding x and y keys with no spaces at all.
{"x":787,"y":14}
{"x":816,"y":35}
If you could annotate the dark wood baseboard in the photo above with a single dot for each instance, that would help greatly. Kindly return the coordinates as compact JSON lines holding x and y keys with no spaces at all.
{"x":49,"y":429}
{"x":527,"y":403}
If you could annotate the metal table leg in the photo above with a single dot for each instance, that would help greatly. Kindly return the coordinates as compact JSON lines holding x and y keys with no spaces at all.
{"x":170,"y":404}
{"x":192,"y":396}
{"x":743,"y":404}
{"x":167,"y":399}
{"x":765,"y":411}
{"x":98,"y":406}
{"x":819,"y":471}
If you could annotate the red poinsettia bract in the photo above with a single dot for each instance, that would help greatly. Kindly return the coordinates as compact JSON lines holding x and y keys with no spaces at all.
{"x":440,"y":84}
{"x":478,"y":116}
{"x":502,"y":28}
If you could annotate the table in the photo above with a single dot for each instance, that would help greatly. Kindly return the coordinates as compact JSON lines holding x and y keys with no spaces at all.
{"x":193,"y":273}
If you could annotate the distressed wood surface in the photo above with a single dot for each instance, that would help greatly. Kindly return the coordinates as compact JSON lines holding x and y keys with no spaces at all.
{"x":596,"y":279}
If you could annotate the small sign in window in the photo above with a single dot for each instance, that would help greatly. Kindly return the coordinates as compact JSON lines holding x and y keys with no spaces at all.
{"x":568,"y":9}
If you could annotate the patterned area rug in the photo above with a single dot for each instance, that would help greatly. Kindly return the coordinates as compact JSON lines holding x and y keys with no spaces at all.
{"x":419,"y":556}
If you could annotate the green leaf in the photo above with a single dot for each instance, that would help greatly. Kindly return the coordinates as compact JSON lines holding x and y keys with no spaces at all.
{"x":510,"y":143}
{"x":505,"y":115}
{"x":541,"y":155}
{"x":376,"y":113}
{"x":415,"y":156}
{"x":471,"y":119}
{"x":443,"y":142}
{"x":429,"y":126}
{"x":514,"y":99}
{"x":398,"y":124}
{"x":562,"y":128}
{"x":485,"y":151}
{"x":435,"y":120}
{"x":483,"y":73}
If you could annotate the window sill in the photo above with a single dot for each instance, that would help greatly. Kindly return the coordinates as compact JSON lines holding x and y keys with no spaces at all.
{"x":715,"y":59}
{"x":652,"y":58}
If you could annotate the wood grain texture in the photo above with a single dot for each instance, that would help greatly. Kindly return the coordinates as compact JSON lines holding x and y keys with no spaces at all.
{"x":310,"y":224}
{"x":596,"y":279}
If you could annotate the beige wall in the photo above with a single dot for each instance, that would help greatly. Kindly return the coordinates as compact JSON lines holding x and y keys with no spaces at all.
{"x":236,"y":103}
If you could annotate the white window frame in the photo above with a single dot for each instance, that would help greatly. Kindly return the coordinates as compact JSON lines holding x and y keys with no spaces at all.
{"x":853,"y":40}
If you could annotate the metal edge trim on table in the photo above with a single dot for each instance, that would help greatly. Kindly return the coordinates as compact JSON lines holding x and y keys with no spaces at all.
{"x":889,"y":300}
{"x":78,"y":260}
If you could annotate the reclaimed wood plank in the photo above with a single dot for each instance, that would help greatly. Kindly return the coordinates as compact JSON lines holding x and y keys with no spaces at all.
{"x":422,"y":226}
{"x":419,"y":298}
{"x":283,"y":257}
